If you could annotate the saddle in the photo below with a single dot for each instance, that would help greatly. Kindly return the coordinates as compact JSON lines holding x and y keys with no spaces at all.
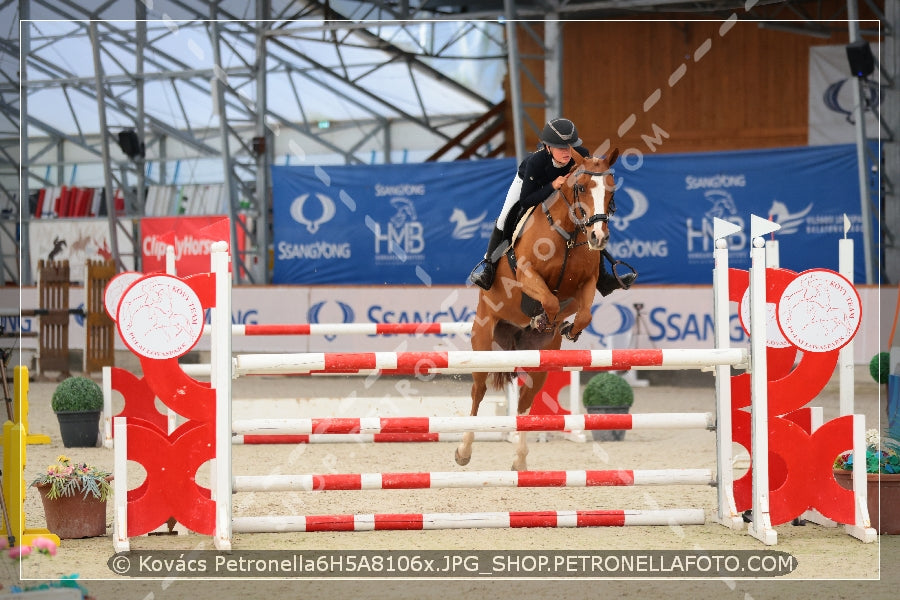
{"x":529,"y":306}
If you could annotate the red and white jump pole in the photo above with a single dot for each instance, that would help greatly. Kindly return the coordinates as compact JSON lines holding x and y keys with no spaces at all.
{"x":462,"y":361}
{"x":454,"y":328}
{"x":469,"y":479}
{"x":495,"y":520}
{"x":521,"y":423}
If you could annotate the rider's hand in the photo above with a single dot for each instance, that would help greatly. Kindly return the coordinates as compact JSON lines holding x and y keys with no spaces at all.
{"x":558,"y":182}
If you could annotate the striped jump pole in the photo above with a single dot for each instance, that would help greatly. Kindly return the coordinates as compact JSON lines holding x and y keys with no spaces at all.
{"x":251,"y":329}
{"x":494,"y":520}
{"x":456,"y":361}
{"x":469,"y":479}
{"x":360,"y":438}
{"x":414,"y":425}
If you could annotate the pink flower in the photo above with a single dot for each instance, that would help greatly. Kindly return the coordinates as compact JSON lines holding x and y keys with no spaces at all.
{"x":4,"y":544}
{"x":44,"y":546}
{"x":19,"y":551}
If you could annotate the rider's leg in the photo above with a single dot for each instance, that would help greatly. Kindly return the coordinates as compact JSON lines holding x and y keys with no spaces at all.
{"x":607,"y":283}
{"x":483,"y":273}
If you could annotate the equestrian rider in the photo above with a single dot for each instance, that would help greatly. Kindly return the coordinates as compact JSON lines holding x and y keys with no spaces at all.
{"x":539,"y":175}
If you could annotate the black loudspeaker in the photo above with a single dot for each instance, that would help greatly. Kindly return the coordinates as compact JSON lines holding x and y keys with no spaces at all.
{"x":130,"y":144}
{"x":861,"y":59}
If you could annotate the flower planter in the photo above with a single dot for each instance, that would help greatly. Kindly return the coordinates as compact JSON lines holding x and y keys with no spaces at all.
{"x":608,"y":435}
{"x":79,"y":429}
{"x":73,"y":517}
{"x":888,"y":521}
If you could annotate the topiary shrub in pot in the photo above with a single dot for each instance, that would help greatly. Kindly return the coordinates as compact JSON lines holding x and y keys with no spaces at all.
{"x":77,"y":402}
{"x":608,"y":393}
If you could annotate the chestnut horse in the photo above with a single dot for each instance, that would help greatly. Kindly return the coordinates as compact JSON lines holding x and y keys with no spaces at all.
{"x":557,"y":261}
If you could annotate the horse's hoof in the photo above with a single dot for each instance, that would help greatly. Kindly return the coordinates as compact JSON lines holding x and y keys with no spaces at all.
{"x":541,"y":323}
{"x":460,"y":460}
{"x":566,"y":330}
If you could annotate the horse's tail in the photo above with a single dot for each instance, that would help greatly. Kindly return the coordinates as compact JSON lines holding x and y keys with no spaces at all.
{"x":499,"y":380}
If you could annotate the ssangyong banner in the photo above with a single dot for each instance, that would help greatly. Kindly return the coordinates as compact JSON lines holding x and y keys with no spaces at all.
{"x":429,"y":223}
{"x":666,"y":206}
{"x":190,"y":237}
{"x":385,"y":224}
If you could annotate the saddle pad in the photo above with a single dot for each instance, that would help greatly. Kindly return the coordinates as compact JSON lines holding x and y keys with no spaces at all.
{"x":521,"y":225}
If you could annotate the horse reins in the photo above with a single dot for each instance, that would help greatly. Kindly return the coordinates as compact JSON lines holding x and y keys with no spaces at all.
{"x":580,"y":225}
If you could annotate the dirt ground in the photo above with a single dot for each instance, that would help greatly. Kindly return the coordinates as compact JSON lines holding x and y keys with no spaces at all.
{"x":830,"y":564}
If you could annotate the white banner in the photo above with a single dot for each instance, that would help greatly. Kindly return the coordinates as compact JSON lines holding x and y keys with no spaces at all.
{"x":77,"y":241}
{"x":831,"y":98}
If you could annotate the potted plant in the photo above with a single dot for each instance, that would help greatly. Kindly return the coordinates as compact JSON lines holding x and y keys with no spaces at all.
{"x":77,"y":402}
{"x":608,"y":393}
{"x":18,"y":573}
{"x":74,"y":498}
{"x":882,"y":466}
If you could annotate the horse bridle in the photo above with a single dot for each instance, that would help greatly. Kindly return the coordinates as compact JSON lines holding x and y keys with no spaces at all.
{"x":581,"y":224}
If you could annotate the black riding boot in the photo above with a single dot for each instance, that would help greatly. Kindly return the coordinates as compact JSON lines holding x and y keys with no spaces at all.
{"x":607,"y":283}
{"x":483,"y":273}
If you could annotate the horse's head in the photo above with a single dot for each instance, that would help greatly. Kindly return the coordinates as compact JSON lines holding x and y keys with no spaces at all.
{"x":592,"y":186}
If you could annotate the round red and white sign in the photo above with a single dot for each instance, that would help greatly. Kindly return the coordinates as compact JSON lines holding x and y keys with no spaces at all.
{"x":114,"y":290}
{"x":774,"y":337}
{"x":819,"y":311}
{"x":160,"y":317}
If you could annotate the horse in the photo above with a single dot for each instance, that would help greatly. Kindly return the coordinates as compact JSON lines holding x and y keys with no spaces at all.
{"x":549,"y":274}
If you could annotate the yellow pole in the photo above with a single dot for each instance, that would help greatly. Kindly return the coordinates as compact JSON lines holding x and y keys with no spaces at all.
{"x":14,"y":443}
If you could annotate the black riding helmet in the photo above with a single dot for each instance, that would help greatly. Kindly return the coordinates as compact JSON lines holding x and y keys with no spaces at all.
{"x":560,"y":133}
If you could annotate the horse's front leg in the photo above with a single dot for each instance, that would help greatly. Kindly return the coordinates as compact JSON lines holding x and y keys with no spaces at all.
{"x":535,"y":287}
{"x":463,"y":452}
{"x":583,"y":301}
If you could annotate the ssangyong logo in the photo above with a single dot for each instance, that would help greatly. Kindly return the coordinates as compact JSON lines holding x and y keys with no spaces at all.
{"x":304,"y":212}
{"x":639,"y":205}
{"x":314,"y":314}
{"x":299,"y":211}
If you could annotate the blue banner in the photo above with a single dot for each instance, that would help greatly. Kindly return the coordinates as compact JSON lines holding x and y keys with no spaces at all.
{"x":666,"y":205}
{"x":429,"y":223}
{"x":424,"y":223}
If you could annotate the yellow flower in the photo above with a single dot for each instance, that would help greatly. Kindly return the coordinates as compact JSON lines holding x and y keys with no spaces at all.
{"x":62,"y":458}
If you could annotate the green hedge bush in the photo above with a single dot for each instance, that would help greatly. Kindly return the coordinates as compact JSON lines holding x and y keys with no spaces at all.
{"x":77,"y":394}
{"x":608,"y":389}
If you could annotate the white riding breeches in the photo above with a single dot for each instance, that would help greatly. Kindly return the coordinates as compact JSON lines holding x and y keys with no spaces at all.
{"x":512,"y":196}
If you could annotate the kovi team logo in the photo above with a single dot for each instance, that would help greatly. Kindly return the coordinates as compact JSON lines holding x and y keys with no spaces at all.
{"x":819,"y":311}
{"x":160,"y":316}
{"x":307,"y":217}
